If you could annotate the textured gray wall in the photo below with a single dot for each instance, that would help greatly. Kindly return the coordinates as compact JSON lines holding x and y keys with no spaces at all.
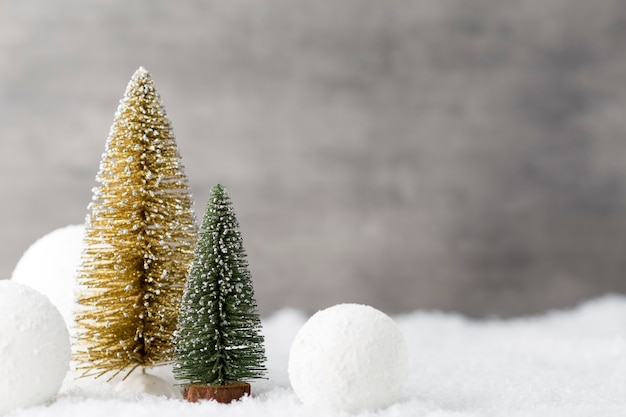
{"x":461,"y":155}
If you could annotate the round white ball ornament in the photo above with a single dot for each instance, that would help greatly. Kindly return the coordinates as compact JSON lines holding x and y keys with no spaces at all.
{"x":50,"y":266}
{"x":349,"y":357}
{"x":34,"y":347}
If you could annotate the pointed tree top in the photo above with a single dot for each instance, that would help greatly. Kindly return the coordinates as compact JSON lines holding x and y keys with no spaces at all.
{"x":140,"y":76}
{"x":219,"y":188}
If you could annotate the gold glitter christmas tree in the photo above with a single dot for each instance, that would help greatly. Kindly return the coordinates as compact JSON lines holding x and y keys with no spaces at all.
{"x":139,"y":241}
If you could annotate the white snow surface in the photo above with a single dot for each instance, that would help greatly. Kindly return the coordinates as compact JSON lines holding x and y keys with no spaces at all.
{"x":565,"y":363}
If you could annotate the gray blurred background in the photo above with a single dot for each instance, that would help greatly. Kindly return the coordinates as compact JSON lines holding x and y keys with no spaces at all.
{"x":460,"y":155}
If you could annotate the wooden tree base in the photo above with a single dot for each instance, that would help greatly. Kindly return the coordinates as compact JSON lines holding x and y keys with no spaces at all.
{"x":220,"y":393}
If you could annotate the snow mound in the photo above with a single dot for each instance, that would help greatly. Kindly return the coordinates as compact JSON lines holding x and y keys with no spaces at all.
{"x":567,"y":363}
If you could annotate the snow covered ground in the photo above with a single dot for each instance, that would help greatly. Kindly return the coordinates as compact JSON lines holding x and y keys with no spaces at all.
{"x":565,"y":363}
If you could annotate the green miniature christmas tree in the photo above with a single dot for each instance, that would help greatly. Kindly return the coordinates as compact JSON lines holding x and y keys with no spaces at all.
{"x":219,"y":341}
{"x":140,"y":236}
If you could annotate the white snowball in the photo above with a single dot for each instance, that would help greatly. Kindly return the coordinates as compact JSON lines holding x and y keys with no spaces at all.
{"x":34,"y":347}
{"x":349,"y":357}
{"x":49,"y":265}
